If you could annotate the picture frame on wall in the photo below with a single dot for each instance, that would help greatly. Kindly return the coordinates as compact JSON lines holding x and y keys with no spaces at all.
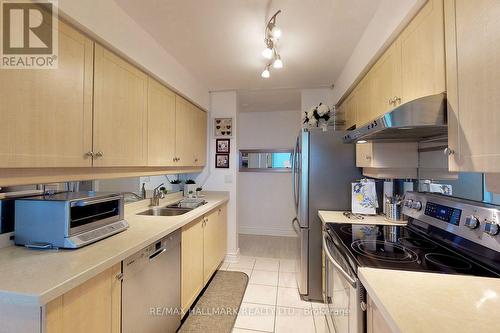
{"x":222,"y":161}
{"x":223,"y":127}
{"x":223,"y":146}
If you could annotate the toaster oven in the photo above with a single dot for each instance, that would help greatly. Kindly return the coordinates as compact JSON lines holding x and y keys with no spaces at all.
{"x":68,"y":220}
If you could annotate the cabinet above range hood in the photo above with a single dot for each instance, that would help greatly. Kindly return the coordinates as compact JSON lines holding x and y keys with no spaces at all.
{"x":416,"y":120}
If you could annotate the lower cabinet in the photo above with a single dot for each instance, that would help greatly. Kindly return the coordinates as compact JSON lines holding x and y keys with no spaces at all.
{"x":375,"y":323}
{"x":202,"y":250}
{"x":94,"y":306}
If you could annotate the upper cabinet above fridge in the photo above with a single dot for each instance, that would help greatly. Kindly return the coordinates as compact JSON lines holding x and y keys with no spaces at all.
{"x":473,"y":78}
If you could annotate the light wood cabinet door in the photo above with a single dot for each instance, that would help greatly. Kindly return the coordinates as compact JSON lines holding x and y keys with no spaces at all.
{"x":200,"y":137}
{"x":222,"y":232}
{"x":350,"y":111}
{"x":375,"y":323}
{"x":423,"y":53}
{"x":363,"y":99}
{"x":47,"y":113}
{"x":473,"y":74}
{"x":120,"y":111}
{"x":184,"y":118}
{"x":386,"y":78}
{"x":211,"y":244}
{"x":93,"y":306}
{"x":191,"y":262}
{"x":387,"y":155}
{"x":161,"y":125}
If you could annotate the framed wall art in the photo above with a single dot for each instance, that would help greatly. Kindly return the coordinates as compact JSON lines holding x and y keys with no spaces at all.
{"x":222,"y":161}
{"x":223,"y":127}
{"x":223,"y":146}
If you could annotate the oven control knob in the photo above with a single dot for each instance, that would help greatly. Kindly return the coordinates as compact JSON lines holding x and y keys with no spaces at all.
{"x":417,"y":205}
{"x":472,"y":222}
{"x":491,"y":228}
{"x":408,"y":203}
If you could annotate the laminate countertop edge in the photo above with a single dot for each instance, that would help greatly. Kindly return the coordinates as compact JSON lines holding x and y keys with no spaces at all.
{"x":34,"y":278}
{"x":414,"y":302}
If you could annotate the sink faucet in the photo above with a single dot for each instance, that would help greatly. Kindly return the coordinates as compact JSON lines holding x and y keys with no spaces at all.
{"x":157,"y":195}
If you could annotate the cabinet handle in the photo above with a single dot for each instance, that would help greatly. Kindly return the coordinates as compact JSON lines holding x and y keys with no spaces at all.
{"x":119,"y":277}
{"x":391,"y":101}
{"x":397,"y":100}
{"x":196,"y":160}
{"x":368,"y":157}
{"x":174,"y":159}
{"x":89,"y":154}
{"x":99,"y":154}
{"x":448,"y":151}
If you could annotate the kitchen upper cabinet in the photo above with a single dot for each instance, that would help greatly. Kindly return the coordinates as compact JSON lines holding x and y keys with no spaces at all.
{"x":387,"y":155}
{"x":47,"y":114}
{"x":184,"y":145}
{"x":200,"y":137}
{"x":94,"y":306}
{"x":161,"y":125}
{"x":191,"y":132}
{"x":473,"y":78}
{"x":191,"y":262}
{"x":386,"y":74}
{"x":423,"y":54}
{"x":363,"y":99}
{"x":120,"y":111}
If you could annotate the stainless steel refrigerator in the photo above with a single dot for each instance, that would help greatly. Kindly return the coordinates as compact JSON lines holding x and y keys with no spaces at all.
{"x":323,"y":168}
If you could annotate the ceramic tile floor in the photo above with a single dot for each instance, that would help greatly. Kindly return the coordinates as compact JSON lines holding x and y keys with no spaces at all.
{"x":271,"y":302}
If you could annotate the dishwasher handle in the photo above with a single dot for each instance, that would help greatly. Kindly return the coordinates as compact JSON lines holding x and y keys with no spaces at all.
{"x":157,"y":254}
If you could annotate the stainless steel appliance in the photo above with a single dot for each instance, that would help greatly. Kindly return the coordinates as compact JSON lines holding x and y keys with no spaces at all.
{"x":323,"y":168}
{"x":151,"y":286}
{"x":67,"y":220}
{"x":413,"y":121}
{"x":443,"y":235}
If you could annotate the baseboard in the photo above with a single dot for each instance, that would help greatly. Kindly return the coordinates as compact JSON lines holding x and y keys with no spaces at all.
{"x":5,"y":240}
{"x":233,"y":257}
{"x":267,"y":231}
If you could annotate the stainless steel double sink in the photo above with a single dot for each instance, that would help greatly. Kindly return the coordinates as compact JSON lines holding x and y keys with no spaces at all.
{"x":175,"y":209}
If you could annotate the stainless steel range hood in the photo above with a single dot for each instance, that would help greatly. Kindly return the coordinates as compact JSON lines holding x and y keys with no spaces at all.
{"x":416,"y":120}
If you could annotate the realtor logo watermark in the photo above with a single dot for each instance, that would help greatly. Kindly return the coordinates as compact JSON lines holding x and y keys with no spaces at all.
{"x":29,"y":34}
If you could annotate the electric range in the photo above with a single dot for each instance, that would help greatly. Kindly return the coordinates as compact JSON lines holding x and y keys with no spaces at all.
{"x":443,"y":235}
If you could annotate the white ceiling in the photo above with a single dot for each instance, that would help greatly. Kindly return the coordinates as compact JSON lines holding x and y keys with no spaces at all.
{"x":269,"y":100}
{"x":220,"y":41}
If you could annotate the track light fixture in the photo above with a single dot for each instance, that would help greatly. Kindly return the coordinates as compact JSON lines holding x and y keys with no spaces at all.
{"x":272,"y":35}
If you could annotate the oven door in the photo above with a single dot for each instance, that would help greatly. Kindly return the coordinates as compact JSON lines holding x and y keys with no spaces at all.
{"x":89,"y":214}
{"x":344,"y":293}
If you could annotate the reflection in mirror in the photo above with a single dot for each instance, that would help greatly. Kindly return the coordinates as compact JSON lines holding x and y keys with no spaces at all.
{"x":262,"y":160}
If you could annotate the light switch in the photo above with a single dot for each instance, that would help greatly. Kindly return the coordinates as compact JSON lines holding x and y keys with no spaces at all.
{"x":228,"y":179}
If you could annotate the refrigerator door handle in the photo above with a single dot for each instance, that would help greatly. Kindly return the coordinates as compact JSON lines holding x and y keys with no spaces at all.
{"x":295,"y":221}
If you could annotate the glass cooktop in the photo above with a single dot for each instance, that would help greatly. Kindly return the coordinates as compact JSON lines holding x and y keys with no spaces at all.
{"x":399,"y":247}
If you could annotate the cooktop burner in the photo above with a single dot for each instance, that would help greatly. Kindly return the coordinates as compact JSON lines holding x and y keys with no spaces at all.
{"x":365,"y":229}
{"x":400,"y":247}
{"x":448,"y":261}
{"x":384,"y":251}
{"x":419,"y":243}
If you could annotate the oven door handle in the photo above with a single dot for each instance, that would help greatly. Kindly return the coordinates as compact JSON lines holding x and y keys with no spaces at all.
{"x":349,"y":279}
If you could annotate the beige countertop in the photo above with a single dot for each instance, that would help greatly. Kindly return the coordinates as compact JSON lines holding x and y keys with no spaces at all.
{"x":328,"y":216}
{"x":429,"y":302}
{"x":35,"y":277}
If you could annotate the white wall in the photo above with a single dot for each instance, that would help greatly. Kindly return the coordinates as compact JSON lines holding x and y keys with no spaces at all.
{"x":223,"y":105}
{"x":265,"y":199}
{"x":387,"y":22}
{"x":105,"y":21}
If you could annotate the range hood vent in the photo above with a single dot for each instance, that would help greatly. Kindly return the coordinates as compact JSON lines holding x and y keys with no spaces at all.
{"x":417,"y":120}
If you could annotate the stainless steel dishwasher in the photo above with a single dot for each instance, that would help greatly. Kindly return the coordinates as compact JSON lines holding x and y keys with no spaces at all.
{"x":151,"y":288}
